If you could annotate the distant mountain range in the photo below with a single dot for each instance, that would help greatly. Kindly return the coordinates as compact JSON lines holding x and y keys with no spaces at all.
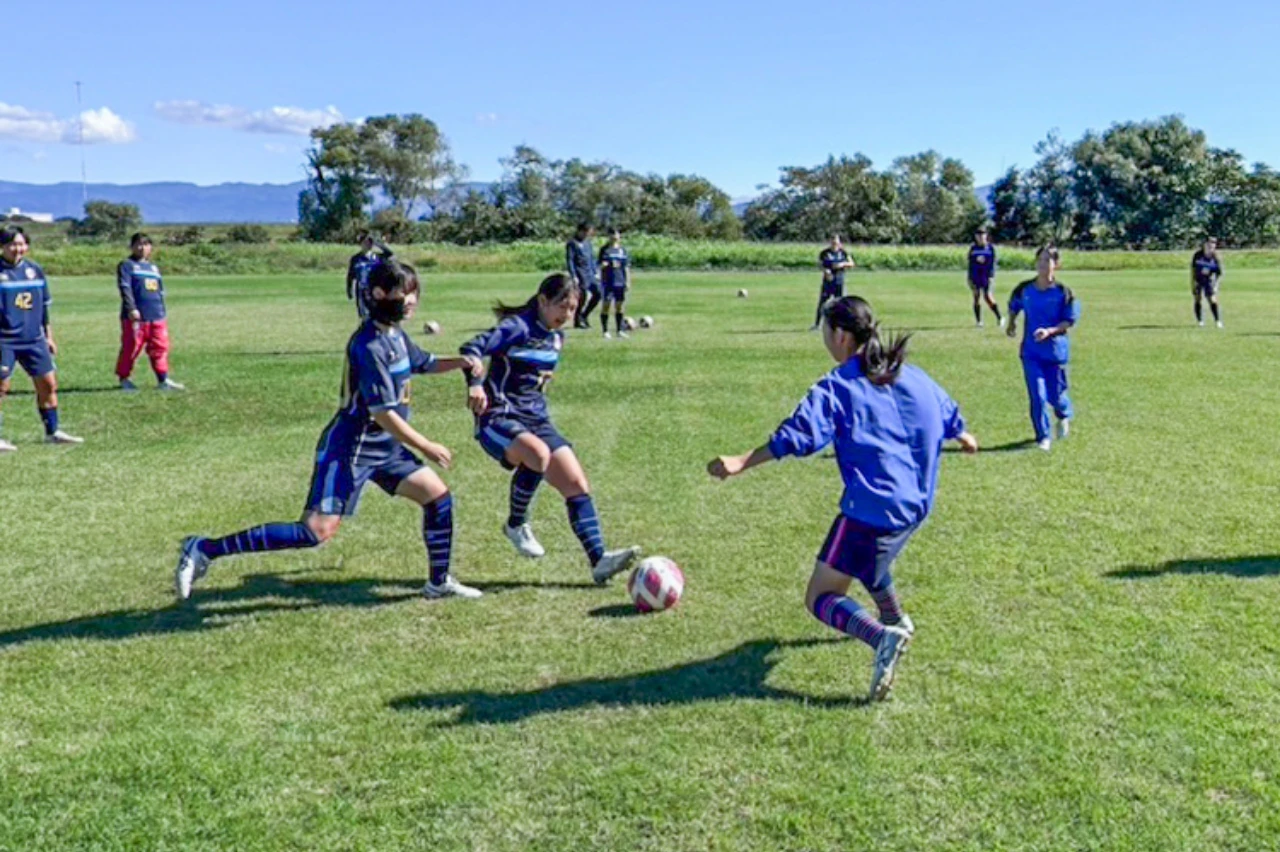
{"x":176,"y":203}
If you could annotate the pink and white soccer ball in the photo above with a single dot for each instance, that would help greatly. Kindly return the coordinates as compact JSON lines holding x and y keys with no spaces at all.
{"x":656,"y":584}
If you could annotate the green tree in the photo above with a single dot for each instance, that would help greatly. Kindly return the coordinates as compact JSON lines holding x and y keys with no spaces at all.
{"x":936,"y":197}
{"x":105,"y":220}
{"x":1013,"y":218}
{"x":844,"y":195}
{"x":408,"y":158}
{"x":332,"y":207}
{"x":1049,"y":189}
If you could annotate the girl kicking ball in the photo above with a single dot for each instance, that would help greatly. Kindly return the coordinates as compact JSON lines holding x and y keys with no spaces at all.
{"x":514,"y":426}
{"x":888,"y":421}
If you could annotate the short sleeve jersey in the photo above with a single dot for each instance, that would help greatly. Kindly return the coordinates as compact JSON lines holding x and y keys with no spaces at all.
{"x":982,"y":263}
{"x":379,"y":364}
{"x":1207,"y":269}
{"x":523,"y":357}
{"x":141,"y":289}
{"x":830,"y":259}
{"x":614,"y":262}
{"x":24,"y":302}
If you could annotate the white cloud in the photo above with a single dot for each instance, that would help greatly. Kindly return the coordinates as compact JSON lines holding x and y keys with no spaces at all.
{"x":294,"y":121}
{"x":487,"y":118}
{"x":100,"y":125}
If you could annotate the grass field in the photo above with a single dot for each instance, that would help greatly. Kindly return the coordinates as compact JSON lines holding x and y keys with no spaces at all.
{"x":1097,"y":661}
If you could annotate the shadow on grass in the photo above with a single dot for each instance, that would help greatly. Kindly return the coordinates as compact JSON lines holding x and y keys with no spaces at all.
{"x":1180,"y":326}
{"x":283,"y":353}
{"x":616,"y":611}
{"x":738,"y":673}
{"x":71,"y":390}
{"x":497,"y":587}
{"x":1011,"y":447}
{"x":1240,"y":566}
{"x":767,"y":330}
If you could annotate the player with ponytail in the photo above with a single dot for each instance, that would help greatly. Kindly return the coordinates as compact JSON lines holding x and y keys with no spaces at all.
{"x":888,"y":421}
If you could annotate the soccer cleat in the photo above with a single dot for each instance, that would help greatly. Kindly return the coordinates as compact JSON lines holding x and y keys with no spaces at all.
{"x":613,"y":562}
{"x":622,"y":335}
{"x":1000,"y":322}
{"x":1219,"y":323}
{"x":525,"y":543}
{"x":450,"y":588}
{"x":128,"y":386}
{"x":7,"y":446}
{"x":904,"y":623}
{"x":981,"y":324}
{"x":170,"y":385}
{"x":61,"y":437}
{"x":1200,"y":323}
{"x":192,"y":565}
{"x":608,"y":336}
{"x":1064,"y":429}
{"x":1044,"y":444}
{"x":892,"y":643}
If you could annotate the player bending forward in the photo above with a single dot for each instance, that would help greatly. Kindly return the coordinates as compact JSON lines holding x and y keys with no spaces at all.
{"x":888,"y":421}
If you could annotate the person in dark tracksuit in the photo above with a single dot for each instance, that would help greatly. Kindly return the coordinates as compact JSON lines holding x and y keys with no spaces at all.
{"x":982,"y":274}
{"x":834,"y":260}
{"x":580,"y":260}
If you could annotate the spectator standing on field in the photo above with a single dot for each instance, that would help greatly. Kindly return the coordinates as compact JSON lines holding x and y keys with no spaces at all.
{"x":143,"y":322}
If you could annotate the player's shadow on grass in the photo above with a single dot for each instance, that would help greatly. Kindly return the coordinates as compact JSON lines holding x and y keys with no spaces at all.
{"x":72,"y":390}
{"x":283,"y":353}
{"x":1240,"y":566}
{"x":616,"y":611}
{"x":738,"y":673}
{"x":1182,"y":326}
{"x":1010,"y":447}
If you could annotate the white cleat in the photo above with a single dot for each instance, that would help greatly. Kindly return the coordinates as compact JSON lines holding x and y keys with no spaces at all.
{"x":1064,"y":429}
{"x":525,"y":544}
{"x":192,"y":565}
{"x":1219,"y":323}
{"x":7,"y":446}
{"x":1200,"y":323}
{"x":980,"y":324}
{"x":1001,"y":322}
{"x":1045,"y":445}
{"x":450,"y":588}
{"x":608,"y":336}
{"x":622,"y":335}
{"x":905,"y":623}
{"x":128,"y":386}
{"x":170,"y":385}
{"x":613,"y":562}
{"x":892,"y":644}
{"x":61,"y":437}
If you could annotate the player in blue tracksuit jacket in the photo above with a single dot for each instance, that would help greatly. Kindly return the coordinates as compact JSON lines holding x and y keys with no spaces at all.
{"x":369,"y":438}
{"x":580,"y":260}
{"x":513,"y":424}
{"x":982,"y":274}
{"x":888,"y":421}
{"x":1052,"y":311}
{"x":26,"y":338}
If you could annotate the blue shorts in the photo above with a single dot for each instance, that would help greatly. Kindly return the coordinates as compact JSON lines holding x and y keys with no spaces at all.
{"x":1209,"y":289}
{"x":832,"y":290}
{"x":979,"y":285}
{"x":497,"y":433}
{"x":864,"y":553}
{"x":338,"y":480}
{"x":34,"y":358}
{"x":615,"y":293}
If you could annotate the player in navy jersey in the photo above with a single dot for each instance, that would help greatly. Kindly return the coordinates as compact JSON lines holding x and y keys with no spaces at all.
{"x":143,"y":322}
{"x":1206,"y":271}
{"x":358,"y":268}
{"x":834,"y":260}
{"x":26,"y":337}
{"x":513,"y":424}
{"x":888,"y":421}
{"x":615,"y":272}
{"x":580,"y":260}
{"x":982,"y":274}
{"x":1052,"y":311}
{"x":368,"y":439}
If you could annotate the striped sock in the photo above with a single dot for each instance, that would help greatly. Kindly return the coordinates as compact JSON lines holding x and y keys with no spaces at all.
{"x":50,"y":418}
{"x":844,"y":614}
{"x":437,"y":532}
{"x":260,"y":539}
{"x":586,"y":525}
{"x":890,"y":607}
{"x":524,"y":484}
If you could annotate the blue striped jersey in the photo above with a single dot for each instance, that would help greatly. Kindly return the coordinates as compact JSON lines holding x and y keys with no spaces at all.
{"x":523,"y":356}
{"x":24,"y":302}
{"x":141,"y":289}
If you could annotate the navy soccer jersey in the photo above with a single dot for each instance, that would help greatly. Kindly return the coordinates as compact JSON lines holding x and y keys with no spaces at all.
{"x":580,"y":260}
{"x":523,"y":356}
{"x":1206,"y":269}
{"x":614,"y":263}
{"x":1045,"y":309}
{"x":24,"y":303}
{"x":141,"y":289}
{"x":982,"y":264}
{"x":358,"y":269}
{"x":831,"y":260}
{"x":375,"y":379}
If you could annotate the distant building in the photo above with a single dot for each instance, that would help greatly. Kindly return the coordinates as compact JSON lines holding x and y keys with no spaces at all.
{"x":15,"y":213}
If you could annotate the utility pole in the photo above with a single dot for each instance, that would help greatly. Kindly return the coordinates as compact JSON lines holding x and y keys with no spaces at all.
{"x":84,"y":181}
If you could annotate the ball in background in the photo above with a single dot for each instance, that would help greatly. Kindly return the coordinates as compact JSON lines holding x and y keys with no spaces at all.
{"x":628,"y":324}
{"x":657,"y":583}
{"x":742,"y":294}
{"x":646,"y":321}
{"x":431,"y":327}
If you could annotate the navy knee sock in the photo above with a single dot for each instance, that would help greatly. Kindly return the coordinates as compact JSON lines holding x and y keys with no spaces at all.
{"x":437,"y":532}
{"x":524,"y":484}
{"x":586,"y":525}
{"x":260,"y":540}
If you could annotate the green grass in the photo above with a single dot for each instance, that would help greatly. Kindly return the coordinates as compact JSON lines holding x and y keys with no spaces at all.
{"x":1096,"y":667}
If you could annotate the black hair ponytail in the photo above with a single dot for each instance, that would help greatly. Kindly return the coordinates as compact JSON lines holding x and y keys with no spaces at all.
{"x":881,"y":362}
{"x":555,"y":288}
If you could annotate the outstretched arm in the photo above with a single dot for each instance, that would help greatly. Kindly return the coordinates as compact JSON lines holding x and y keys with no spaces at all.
{"x":723,"y":467}
{"x":397,"y":427}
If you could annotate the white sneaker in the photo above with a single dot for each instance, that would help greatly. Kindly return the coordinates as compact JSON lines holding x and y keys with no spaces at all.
{"x":892,"y":644}
{"x":7,"y":446}
{"x":613,"y":562}
{"x":192,"y":565}
{"x":607,"y":336}
{"x":1200,"y":323}
{"x":980,"y":324}
{"x":170,"y":385}
{"x":1064,"y":429}
{"x":61,"y":437}
{"x":524,"y":541}
{"x":450,"y":588}
{"x":1219,"y":323}
{"x":1000,"y":322}
{"x":622,"y":335}
{"x":1045,"y":444}
{"x":128,"y":386}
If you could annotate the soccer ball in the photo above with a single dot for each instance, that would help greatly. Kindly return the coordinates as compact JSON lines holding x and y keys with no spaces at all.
{"x":646,"y":321}
{"x":742,"y":294}
{"x":431,"y":327}
{"x":656,"y":584}
{"x":628,"y":324}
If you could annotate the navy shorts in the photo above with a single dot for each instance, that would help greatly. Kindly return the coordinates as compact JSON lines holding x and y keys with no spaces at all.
{"x":832,"y":290}
{"x":979,"y":285}
{"x":864,"y":553}
{"x":497,"y":433}
{"x":338,"y":480}
{"x":34,"y":358}
{"x":614,"y":293}
{"x":1209,"y":289}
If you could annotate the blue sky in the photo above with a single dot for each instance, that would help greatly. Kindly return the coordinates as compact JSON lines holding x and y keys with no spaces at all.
{"x":226,"y":91}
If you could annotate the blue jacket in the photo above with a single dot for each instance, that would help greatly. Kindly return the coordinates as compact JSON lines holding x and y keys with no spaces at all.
{"x":1044,"y":309}
{"x":888,"y":440}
